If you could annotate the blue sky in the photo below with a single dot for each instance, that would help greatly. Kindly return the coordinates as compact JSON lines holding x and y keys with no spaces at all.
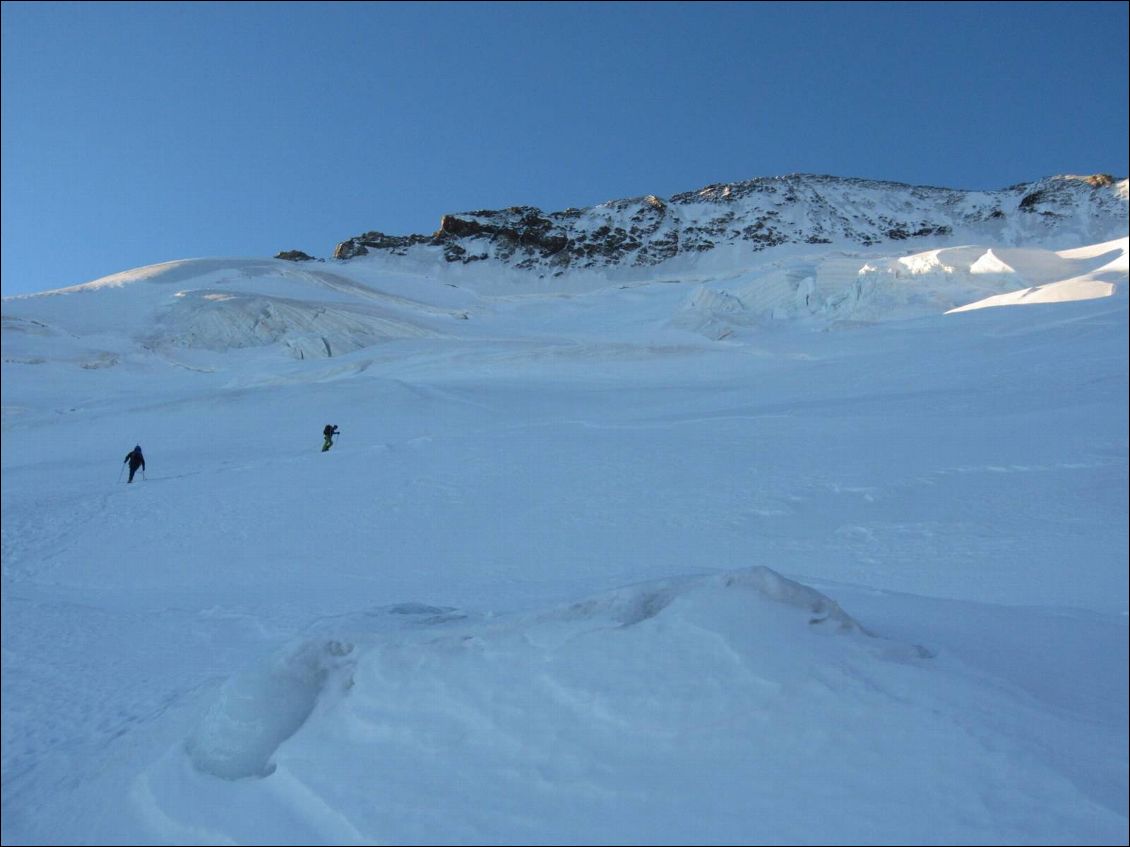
{"x":136,"y":133}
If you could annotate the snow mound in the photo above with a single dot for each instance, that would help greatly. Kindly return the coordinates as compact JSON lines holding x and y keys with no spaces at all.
{"x":414,"y":653}
{"x":214,"y":305}
{"x":418,"y":668}
{"x":531,"y":718}
{"x":631,"y":606}
{"x":258,"y":710}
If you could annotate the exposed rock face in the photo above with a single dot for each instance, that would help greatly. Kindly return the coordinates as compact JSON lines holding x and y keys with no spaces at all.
{"x":763,"y":213}
{"x":294,"y":256}
{"x":361,"y":244}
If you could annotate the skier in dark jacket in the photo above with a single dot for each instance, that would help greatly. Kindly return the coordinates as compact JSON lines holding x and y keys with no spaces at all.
{"x":329,"y":432}
{"x":136,"y":460}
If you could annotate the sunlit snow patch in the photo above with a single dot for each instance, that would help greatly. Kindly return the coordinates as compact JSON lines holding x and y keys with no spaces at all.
{"x":854,"y":288}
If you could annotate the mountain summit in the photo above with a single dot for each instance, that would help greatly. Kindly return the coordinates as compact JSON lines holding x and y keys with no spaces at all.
{"x":768,"y":212}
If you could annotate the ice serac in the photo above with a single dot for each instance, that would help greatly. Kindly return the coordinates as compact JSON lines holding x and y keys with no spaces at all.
{"x":1060,"y":211}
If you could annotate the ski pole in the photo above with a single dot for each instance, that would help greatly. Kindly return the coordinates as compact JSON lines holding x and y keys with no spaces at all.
{"x":121,"y":471}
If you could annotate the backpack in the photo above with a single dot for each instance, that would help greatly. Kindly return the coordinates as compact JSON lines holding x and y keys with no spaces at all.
{"x":329,"y":430}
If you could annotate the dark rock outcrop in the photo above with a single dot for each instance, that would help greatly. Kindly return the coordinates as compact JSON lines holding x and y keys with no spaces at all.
{"x":764,"y":213}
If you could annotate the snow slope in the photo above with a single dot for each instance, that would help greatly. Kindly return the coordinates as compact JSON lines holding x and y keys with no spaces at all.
{"x":807,"y":546}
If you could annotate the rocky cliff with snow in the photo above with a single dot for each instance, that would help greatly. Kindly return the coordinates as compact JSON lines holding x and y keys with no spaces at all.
{"x":862,"y":252}
{"x":767,"y":212}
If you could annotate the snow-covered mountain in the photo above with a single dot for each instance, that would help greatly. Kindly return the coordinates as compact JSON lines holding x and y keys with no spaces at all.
{"x":820,"y":542}
{"x":834,"y":251}
{"x":763,"y":213}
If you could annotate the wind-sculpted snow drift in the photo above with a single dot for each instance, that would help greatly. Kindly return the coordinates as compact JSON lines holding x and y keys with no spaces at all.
{"x":257,"y":711}
{"x":410,"y":649}
{"x":605,"y":717}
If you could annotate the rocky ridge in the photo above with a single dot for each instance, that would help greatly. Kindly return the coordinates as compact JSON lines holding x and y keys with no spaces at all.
{"x":763,"y":213}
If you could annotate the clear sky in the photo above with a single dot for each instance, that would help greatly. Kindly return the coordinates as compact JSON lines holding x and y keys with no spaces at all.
{"x":136,"y":133}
